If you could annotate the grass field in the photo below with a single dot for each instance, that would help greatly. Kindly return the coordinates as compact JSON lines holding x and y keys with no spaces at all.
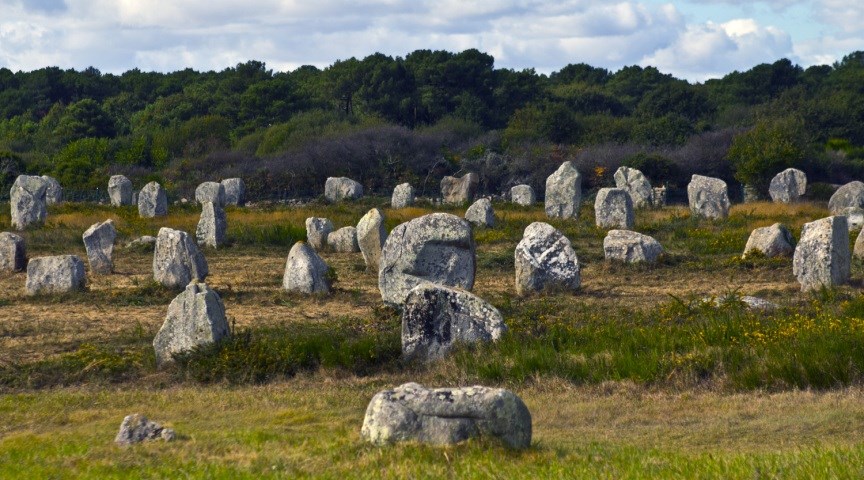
{"x":634,"y":376}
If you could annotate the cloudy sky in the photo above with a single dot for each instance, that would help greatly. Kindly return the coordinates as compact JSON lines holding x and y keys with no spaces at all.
{"x":693,"y":39}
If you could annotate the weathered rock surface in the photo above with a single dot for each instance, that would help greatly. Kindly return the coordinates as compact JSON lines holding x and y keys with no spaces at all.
{"x":344,"y":240}
{"x":177,"y":260}
{"x":337,"y":189}
{"x":822,"y":255}
{"x":481,"y":214}
{"x":631,"y":247}
{"x":27,"y":201}
{"x":195,"y":317}
{"x":751,"y":303}
{"x":772,"y":241}
{"x":523,"y":195}
{"x":636,"y":184}
{"x":438,"y":248}
{"x":99,"y":243}
{"x":53,"y":190}
{"x":371,"y":236}
{"x":613,"y":208}
{"x":235,"y":191}
{"x":13,"y":256}
{"x":120,"y":190}
{"x":136,"y":428}
{"x":305,"y":271}
{"x":849,"y":196}
{"x":210,"y":192}
{"x":317,"y":231}
{"x":445,"y":416}
{"x":545,"y":259}
{"x":142,"y":240}
{"x":658,"y":198}
{"x":152,"y":201}
{"x":57,"y":274}
{"x":788,"y":186}
{"x":459,"y":190}
{"x":403,"y":196}
{"x":564,"y":192}
{"x":212,"y":226}
{"x":709,"y":197}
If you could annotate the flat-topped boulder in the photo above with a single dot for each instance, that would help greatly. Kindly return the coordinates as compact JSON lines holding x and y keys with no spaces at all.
{"x":13,"y":255}
{"x":337,"y":189}
{"x":773,"y":241}
{"x":403,"y":196}
{"x":317,"y":231}
{"x":210,"y":192}
{"x":305,"y":271}
{"x":53,"y":190}
{"x":545,"y":260}
{"x":613,"y":209}
{"x":152,"y":201}
{"x":371,"y":236}
{"x":177,"y":259}
{"x":822,"y":256}
{"x":212,"y":226}
{"x":344,"y":240}
{"x":481,"y":214}
{"x":444,"y":416}
{"x":235,"y":191}
{"x":708,"y":197}
{"x":27,"y":201}
{"x":564,"y":192}
{"x":636,"y":185}
{"x":459,"y":190}
{"x":54,"y":275}
{"x":846,"y":198}
{"x":120,"y":191}
{"x":631,"y":247}
{"x":788,"y":186}
{"x":523,"y":195}
{"x":195,"y":317}
{"x":99,"y":244}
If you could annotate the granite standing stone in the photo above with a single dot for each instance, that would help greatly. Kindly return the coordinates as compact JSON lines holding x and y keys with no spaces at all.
{"x":848,"y":198}
{"x":371,"y":236}
{"x":317,"y":231}
{"x":58,"y":274}
{"x":27,"y":201}
{"x":403,"y":196}
{"x":564,"y":192}
{"x":631,"y":247}
{"x":212,"y":226}
{"x":210,"y":192}
{"x":709,"y":197}
{"x":788,"y":186}
{"x":235,"y":191}
{"x":195,"y":317}
{"x":177,"y":260}
{"x":613,"y":208}
{"x":545,"y":260}
{"x":120,"y":190}
{"x":152,"y":201}
{"x":459,"y":190}
{"x":523,"y":195}
{"x":53,"y":190}
{"x":822,"y":256}
{"x":13,"y":255}
{"x":481,"y":214}
{"x":773,"y":241}
{"x":636,"y":184}
{"x":305,"y":271}
{"x":344,"y":240}
{"x":337,"y":189}
{"x":99,"y":243}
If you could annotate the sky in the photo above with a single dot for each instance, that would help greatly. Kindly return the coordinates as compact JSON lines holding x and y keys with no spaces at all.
{"x":693,"y":39}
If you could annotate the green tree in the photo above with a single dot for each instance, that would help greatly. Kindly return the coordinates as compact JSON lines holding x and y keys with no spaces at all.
{"x":769,"y":147}
{"x":85,"y":119}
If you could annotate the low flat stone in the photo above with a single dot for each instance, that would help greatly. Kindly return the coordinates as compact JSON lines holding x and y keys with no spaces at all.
{"x":136,"y":428}
{"x":53,"y":275}
{"x":337,"y":189}
{"x":773,"y":241}
{"x":631,"y":247}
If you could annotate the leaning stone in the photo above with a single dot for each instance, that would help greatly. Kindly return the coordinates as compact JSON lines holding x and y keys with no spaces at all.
{"x":850,"y":195}
{"x":444,"y":416}
{"x":196,"y":317}
{"x":636,"y":184}
{"x":99,"y":243}
{"x":658,"y":197}
{"x":613,"y":208}
{"x":480,"y":213}
{"x":235,"y":191}
{"x":371,"y":236}
{"x":177,"y":260}
{"x":522,"y":195}
{"x":709,"y":197}
{"x":788,"y":186}
{"x":305,"y":271}
{"x":337,"y":189}
{"x":27,"y":201}
{"x":152,"y":201}
{"x":344,"y":240}
{"x":545,"y":260}
{"x":58,"y":274}
{"x":13,"y":257}
{"x":564,"y":192}
{"x":317,"y":231}
{"x":403,"y":196}
{"x":212,"y":226}
{"x":459,"y":190}
{"x":120,"y":190}
{"x":53,"y":190}
{"x":136,"y":428}
{"x":631,"y":247}
{"x":210,"y":192}
{"x":438,"y":248}
{"x":773,"y":241}
{"x":822,"y":256}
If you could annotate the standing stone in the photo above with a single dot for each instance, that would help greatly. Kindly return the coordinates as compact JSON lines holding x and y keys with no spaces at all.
{"x":371,"y":236}
{"x":522,"y":195}
{"x":344,"y":240}
{"x":445,"y":416}
{"x":613,"y":208}
{"x":27,"y":201}
{"x":13,"y":257}
{"x":212,"y":226}
{"x":858,"y":252}
{"x":235,"y":191}
{"x":436,"y":317}
{"x":196,"y":317}
{"x":459,"y":190}
{"x":438,"y":248}
{"x":480,"y":213}
{"x":709,"y":197}
{"x":120,"y":190}
{"x":658,"y":197}
{"x":177,"y":260}
{"x":635,"y":183}
{"x":58,"y":274}
{"x":210,"y":192}
{"x":631,"y":247}
{"x":317,"y":231}
{"x":53,"y":190}
{"x":403,"y":196}
{"x":788,"y":186}
{"x":773,"y":241}
{"x":822,"y":256}
{"x":305,"y":271}
{"x":136,"y":428}
{"x":337,"y":189}
{"x":152,"y":201}
{"x":849,"y":197}
{"x":99,"y":243}
{"x":545,"y":260}
{"x":564,"y":192}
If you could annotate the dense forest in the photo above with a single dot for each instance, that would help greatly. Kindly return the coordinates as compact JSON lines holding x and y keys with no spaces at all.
{"x":384,"y":120}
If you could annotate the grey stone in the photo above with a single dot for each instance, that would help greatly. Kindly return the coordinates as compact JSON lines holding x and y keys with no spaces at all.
{"x":120,"y":190}
{"x":858,"y":251}
{"x":305,"y":271}
{"x":235,"y":191}
{"x":13,"y":256}
{"x":613,"y":208}
{"x":788,"y":186}
{"x":438,"y":248}
{"x":371,"y":236}
{"x":631,"y":247}
{"x":99,"y":243}
{"x":142,"y":240}
{"x":210,"y":192}
{"x":53,"y":190}
{"x":480,"y":213}
{"x":564,"y":192}
{"x":212,"y":226}
{"x":27,"y":201}
{"x":177,"y":260}
{"x":848,"y":196}
{"x":523,"y":195}
{"x":195,"y":317}
{"x":136,"y":428}
{"x":773,"y":241}
{"x":658,"y":197}
{"x":58,"y":274}
{"x":636,"y":184}
{"x":317,"y":231}
{"x":403,"y":196}
{"x":337,"y":189}
{"x":545,"y":260}
{"x":152,"y":201}
{"x":459,"y":190}
{"x":709,"y":197}
{"x":750,"y":303}
{"x":822,"y":256}
{"x":854,"y":218}
{"x":445,"y":416}
{"x":344,"y":240}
